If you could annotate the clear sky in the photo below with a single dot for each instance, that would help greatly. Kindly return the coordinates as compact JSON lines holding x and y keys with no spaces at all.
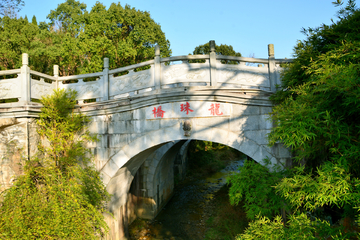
{"x":248,"y":25}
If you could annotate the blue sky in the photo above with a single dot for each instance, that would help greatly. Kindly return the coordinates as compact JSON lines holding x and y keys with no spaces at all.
{"x":248,"y":25}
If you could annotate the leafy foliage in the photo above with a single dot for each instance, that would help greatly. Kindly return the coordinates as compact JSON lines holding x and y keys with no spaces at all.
{"x":78,"y":40}
{"x":254,"y":186}
{"x":299,"y":227}
{"x":326,"y":95}
{"x":223,"y":49}
{"x":331,"y":185}
{"x":317,"y":116}
{"x":16,"y":36}
{"x":60,"y":195}
{"x":9,"y":8}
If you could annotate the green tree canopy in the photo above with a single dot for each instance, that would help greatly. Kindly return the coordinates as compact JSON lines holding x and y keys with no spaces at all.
{"x":223,"y":49}
{"x":316,"y":115}
{"x":16,"y":37}
{"x":78,"y":40}
{"x":34,"y":21}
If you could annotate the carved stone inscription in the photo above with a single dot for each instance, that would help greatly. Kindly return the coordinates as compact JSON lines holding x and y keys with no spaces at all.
{"x":188,"y":109}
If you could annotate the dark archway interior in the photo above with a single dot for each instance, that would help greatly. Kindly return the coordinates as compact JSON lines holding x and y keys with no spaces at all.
{"x":203,"y":159}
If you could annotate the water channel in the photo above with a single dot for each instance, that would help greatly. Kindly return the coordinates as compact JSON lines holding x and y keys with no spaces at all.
{"x":184,"y":216}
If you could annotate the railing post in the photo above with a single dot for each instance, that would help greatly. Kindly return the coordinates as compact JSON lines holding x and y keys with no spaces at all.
{"x":56,"y":75}
{"x":213,"y":80}
{"x":106,"y":80}
{"x":272,"y":74}
{"x":25,"y":79}
{"x":157,"y":71}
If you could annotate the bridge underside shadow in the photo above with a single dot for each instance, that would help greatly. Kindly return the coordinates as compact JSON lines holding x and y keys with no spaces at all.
{"x":137,"y":174}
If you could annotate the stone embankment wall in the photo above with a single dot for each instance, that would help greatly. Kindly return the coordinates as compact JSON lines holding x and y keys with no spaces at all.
{"x":18,"y":139}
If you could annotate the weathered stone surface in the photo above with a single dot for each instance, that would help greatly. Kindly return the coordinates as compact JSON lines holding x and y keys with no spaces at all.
{"x":13,"y":149}
{"x":6,"y":122}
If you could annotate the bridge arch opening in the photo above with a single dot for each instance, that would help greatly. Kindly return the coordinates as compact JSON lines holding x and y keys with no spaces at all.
{"x":124,"y":177}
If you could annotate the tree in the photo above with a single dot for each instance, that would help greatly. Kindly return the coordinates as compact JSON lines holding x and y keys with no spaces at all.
{"x":34,"y":21}
{"x":16,"y":37}
{"x":253,"y":186}
{"x":78,"y":40}
{"x":60,"y":195}
{"x":125,"y":35}
{"x":223,"y":49}
{"x":68,"y":17}
{"x":9,"y":8}
{"x":317,"y":116}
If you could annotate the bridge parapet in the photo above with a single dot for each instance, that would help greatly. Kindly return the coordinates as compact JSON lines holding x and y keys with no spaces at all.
{"x":25,"y":86}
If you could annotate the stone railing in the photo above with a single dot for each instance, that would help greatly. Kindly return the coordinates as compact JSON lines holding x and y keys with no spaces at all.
{"x":162,"y":73}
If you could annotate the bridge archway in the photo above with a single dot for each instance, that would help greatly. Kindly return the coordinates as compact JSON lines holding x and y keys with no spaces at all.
{"x":121,"y":168}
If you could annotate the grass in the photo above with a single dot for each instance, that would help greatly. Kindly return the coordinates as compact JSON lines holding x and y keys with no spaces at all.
{"x":227,"y":221}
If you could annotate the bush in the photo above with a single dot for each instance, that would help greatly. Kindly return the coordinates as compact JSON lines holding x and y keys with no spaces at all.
{"x":60,"y":195}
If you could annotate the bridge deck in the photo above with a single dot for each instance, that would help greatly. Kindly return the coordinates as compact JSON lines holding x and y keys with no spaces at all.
{"x":162,"y":77}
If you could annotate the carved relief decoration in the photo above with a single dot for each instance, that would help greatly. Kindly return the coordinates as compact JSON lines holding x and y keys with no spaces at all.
{"x":187,"y":128}
{"x":195,"y":74}
{"x":134,"y":81}
{"x":40,"y":89}
{"x":7,"y":90}
{"x":174,"y":72}
{"x":89,"y":91}
{"x":244,"y":76}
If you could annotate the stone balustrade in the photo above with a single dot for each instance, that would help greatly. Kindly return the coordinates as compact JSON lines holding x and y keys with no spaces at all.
{"x":127,"y":81}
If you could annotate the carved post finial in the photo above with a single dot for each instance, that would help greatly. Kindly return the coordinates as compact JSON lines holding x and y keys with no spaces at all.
{"x":271,"y":50}
{"x":157,"y":50}
{"x":272,"y":72}
{"x":25,"y":59}
{"x":157,"y":66}
{"x":56,"y":70}
{"x":212,"y":55}
{"x":25,"y":79}
{"x":56,"y":74}
{"x":106,"y":62}
{"x":212,"y":45}
{"x":106,"y":80}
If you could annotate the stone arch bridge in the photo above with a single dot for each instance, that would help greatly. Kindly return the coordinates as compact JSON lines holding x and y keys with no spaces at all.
{"x":146,"y":118}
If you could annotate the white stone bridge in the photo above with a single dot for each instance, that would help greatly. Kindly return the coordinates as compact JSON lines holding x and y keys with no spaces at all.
{"x":146,"y":118}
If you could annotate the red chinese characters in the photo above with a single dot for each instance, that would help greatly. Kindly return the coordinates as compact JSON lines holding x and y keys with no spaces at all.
{"x":214,"y":109}
{"x":186,"y":108}
{"x":158,"y":112}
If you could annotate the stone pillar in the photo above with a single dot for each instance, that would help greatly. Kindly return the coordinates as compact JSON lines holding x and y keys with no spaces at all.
{"x":25,"y":79}
{"x":157,"y":71}
{"x":213,"y":79}
{"x":106,"y":80}
{"x":272,"y":74}
{"x":56,"y":75}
